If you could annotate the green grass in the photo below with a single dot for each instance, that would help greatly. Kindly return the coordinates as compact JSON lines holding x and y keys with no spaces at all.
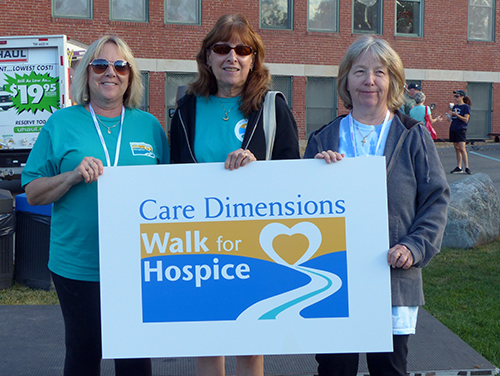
{"x":21,"y":295}
{"x":462,"y":290}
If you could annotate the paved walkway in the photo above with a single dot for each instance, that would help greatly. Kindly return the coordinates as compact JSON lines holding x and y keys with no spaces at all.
{"x":32,"y":343}
{"x":32,"y":337}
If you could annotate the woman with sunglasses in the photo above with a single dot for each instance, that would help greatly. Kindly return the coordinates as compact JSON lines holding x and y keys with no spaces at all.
{"x":459,"y":117}
{"x":220,"y":119}
{"x":105,"y":128}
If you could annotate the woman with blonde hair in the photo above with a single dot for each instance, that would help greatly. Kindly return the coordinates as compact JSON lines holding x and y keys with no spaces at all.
{"x":370,"y":83}
{"x":105,"y":128}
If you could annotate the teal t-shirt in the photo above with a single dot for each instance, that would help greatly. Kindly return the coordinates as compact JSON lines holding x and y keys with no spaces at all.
{"x":418,"y":113}
{"x":68,"y":136}
{"x":215,"y":137}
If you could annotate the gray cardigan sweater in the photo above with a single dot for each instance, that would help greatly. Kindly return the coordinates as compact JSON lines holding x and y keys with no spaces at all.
{"x":418,"y":197}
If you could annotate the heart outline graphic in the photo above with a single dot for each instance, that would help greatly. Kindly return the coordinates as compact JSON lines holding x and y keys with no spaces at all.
{"x":272,"y":230}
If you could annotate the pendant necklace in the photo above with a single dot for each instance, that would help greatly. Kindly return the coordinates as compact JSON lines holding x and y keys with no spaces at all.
{"x":363,"y":142}
{"x":109,"y":128}
{"x":226,"y":118}
{"x":378,"y":148}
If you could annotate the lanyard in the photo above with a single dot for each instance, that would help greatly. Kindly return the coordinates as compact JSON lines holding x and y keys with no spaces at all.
{"x":103,"y":143}
{"x":351,"y":129}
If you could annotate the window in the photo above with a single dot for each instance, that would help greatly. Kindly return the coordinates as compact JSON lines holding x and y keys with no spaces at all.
{"x":283,"y":84}
{"x":174,"y":86}
{"x":481,"y":20}
{"x":321,"y":102}
{"x":481,"y":96}
{"x":145,"y":97}
{"x":183,"y":11}
{"x":367,"y":16}
{"x":129,"y":10}
{"x":276,"y":14}
{"x":409,"y":17}
{"x":322,"y":15}
{"x":72,"y":8}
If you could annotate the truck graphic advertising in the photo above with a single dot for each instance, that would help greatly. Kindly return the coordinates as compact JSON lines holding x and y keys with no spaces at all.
{"x":34,"y":82}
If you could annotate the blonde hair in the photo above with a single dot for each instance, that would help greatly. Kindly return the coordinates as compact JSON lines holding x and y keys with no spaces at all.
{"x":382,"y":51}
{"x":80,"y":93}
{"x":257,"y":84}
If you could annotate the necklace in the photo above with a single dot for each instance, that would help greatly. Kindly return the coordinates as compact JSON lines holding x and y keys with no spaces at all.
{"x":109,"y":128}
{"x":363,"y":142}
{"x":226,"y":118}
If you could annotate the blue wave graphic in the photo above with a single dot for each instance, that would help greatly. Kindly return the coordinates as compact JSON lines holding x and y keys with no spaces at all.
{"x":221,"y":299}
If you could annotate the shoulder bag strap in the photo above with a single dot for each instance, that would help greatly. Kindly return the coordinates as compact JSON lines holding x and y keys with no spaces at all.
{"x":270,"y":121}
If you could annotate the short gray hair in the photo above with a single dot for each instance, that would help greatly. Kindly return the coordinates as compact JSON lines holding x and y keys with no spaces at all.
{"x":419,"y":97}
{"x":381,"y":50}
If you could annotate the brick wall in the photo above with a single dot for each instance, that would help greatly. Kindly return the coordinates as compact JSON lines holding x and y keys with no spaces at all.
{"x":444,"y":45}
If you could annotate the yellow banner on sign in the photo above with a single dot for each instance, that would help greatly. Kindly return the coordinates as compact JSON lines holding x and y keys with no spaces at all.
{"x":291,"y":240}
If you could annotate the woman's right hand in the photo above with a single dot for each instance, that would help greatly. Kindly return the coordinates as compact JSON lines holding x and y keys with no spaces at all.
{"x":330,"y":156}
{"x":89,"y":170}
{"x":46,"y":190}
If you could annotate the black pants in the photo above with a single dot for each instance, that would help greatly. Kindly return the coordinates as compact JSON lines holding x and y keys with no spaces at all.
{"x":81,"y":309}
{"x":379,"y":364}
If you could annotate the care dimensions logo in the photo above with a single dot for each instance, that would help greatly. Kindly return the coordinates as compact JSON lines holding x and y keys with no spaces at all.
{"x":244,"y":270}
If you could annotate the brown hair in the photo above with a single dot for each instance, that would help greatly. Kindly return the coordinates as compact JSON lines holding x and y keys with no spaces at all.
{"x":381,"y":50}
{"x":225,"y":29}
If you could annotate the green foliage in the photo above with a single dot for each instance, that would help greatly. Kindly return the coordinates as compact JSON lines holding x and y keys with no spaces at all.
{"x":462,"y":290}
{"x":22,"y":295}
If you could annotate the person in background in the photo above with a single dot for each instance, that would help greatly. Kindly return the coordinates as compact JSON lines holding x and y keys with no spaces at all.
{"x":370,"y":83}
{"x":105,"y":128}
{"x":409,"y":95}
{"x":459,"y":118}
{"x":418,"y":112}
{"x":221,"y":119}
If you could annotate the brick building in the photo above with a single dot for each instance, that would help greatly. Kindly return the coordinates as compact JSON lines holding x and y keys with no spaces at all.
{"x":445,"y":45}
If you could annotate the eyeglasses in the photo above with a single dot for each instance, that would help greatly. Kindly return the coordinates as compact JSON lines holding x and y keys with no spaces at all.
{"x":99,"y":66}
{"x":224,"y":49}
{"x":457,"y":96}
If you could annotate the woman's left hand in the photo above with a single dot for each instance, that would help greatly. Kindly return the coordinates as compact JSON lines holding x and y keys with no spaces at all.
{"x":238,"y":158}
{"x":330,"y":156}
{"x":400,"y":257}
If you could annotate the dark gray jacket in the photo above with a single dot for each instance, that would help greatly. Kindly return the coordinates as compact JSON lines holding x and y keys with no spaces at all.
{"x":418,"y":197}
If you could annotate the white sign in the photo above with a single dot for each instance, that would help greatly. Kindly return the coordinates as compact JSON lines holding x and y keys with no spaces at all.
{"x":277,"y":257}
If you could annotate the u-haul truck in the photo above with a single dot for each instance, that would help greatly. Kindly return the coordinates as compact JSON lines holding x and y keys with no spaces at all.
{"x":34,"y":82}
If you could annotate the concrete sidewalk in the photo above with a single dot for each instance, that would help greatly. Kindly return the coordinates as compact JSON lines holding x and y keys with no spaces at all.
{"x":32,"y":343}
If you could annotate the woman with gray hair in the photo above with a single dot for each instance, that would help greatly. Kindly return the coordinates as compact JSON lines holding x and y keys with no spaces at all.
{"x":69,"y":156}
{"x":370,"y":83}
{"x":419,"y":111}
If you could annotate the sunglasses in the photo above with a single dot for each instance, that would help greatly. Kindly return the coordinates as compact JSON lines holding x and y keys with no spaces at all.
{"x":224,"y":49}
{"x":99,"y":66}
{"x":457,"y":96}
